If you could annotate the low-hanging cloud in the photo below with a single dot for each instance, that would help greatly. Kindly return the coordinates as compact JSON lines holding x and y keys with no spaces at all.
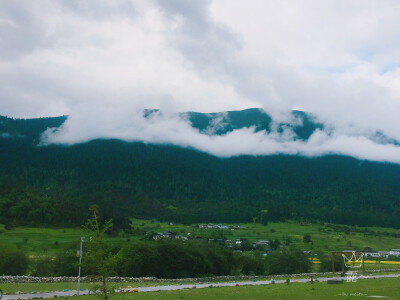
{"x":166,"y":128}
{"x":103,"y":63}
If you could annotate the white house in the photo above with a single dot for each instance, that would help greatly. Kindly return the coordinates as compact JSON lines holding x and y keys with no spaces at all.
{"x":374,"y":254}
{"x":261,"y":243}
{"x":395,"y":252}
{"x":384,"y":254}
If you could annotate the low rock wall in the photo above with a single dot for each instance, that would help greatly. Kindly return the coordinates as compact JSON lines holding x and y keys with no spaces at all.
{"x":33,"y":279}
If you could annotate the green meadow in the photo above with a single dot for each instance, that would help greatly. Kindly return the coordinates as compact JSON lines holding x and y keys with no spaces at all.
{"x":362,"y":289}
{"x":304,"y":291}
{"x":297,"y":291}
{"x":388,"y":288}
{"x":325,"y":237}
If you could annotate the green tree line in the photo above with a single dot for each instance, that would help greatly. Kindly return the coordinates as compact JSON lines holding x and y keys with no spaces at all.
{"x":162,"y":259}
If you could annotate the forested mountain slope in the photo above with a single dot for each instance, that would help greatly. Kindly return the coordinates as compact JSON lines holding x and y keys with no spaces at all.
{"x":55,"y":184}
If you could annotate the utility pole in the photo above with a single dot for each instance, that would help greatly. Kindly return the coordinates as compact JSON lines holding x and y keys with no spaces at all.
{"x":80,"y":262}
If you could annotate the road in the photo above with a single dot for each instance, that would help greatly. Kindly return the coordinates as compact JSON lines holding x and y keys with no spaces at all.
{"x":175,"y":287}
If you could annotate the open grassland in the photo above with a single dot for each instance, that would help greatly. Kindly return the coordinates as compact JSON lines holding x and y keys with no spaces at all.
{"x":325,"y":237}
{"x":43,"y":241}
{"x":362,"y":289}
{"x":40,"y":241}
{"x":37,"y":287}
{"x":11,"y":288}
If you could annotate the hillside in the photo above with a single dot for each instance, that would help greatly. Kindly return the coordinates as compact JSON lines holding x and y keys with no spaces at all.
{"x":55,"y":184}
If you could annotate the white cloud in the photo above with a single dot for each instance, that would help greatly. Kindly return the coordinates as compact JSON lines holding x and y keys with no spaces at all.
{"x":103,"y":62}
{"x":169,"y":128}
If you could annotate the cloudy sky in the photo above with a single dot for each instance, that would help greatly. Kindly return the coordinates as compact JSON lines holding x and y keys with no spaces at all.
{"x":101,"y":62}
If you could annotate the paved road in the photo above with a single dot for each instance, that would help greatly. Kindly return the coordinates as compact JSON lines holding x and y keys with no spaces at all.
{"x":175,"y":287}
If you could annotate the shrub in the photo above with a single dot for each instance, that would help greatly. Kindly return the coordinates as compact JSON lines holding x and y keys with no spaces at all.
{"x":12,"y":262}
{"x":326,"y":263}
{"x":287,"y":262}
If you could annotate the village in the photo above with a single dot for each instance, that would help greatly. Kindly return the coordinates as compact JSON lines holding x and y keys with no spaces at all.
{"x":243,"y":244}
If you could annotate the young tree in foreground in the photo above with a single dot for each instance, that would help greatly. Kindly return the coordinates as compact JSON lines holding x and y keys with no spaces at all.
{"x":99,"y":260}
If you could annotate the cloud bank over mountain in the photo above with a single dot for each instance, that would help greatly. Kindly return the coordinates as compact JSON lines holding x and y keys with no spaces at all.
{"x":103,"y":63}
{"x":277,"y":138}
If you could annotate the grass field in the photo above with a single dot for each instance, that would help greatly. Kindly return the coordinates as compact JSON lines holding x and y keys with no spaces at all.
{"x":39,"y":241}
{"x":46,"y":241}
{"x":42,"y":241}
{"x":361,"y":289}
{"x":389,"y":287}
{"x":357,"y":290}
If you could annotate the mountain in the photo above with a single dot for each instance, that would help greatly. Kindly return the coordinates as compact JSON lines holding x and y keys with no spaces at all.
{"x":28,"y":128}
{"x":55,"y":184}
{"x":303,"y":124}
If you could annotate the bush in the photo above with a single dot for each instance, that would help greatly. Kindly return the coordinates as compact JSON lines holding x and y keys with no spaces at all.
{"x":287,"y":262}
{"x":66,"y":263}
{"x":326,"y":263}
{"x":63,"y":264}
{"x":251,"y":264}
{"x":394,"y":258}
{"x":175,"y":259}
{"x":13,"y":262}
{"x":307,"y":238}
{"x":43,"y":267}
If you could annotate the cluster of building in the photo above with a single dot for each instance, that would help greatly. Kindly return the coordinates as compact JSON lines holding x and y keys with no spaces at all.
{"x":169,"y":235}
{"x":220,"y":226}
{"x":381,"y":254}
{"x":261,"y":244}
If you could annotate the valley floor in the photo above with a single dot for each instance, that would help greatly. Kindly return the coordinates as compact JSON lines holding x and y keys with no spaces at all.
{"x":324,"y":237}
{"x":297,"y":289}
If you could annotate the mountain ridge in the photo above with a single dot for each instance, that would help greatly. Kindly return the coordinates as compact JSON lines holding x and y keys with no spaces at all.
{"x":301,"y":124}
{"x":55,"y":184}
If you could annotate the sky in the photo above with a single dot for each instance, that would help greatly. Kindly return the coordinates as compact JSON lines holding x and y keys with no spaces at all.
{"x":102,"y":62}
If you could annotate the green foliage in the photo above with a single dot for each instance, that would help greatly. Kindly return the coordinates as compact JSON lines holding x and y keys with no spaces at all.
{"x":12,"y":262}
{"x":394,"y":258}
{"x":43,"y":266}
{"x":264,"y":217}
{"x":287,"y":262}
{"x":275,"y":244}
{"x":66,"y":263}
{"x":326,"y":263}
{"x":251,"y":264}
{"x":26,"y":205}
{"x":307,"y":238}
{"x":175,"y":259}
{"x":99,"y":260}
{"x":245,"y":245}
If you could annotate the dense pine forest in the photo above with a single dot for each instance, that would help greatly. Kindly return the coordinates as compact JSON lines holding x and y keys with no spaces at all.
{"x":54,"y":185}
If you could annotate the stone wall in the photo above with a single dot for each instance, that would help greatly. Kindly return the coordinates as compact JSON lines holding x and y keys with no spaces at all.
{"x":32,"y":279}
